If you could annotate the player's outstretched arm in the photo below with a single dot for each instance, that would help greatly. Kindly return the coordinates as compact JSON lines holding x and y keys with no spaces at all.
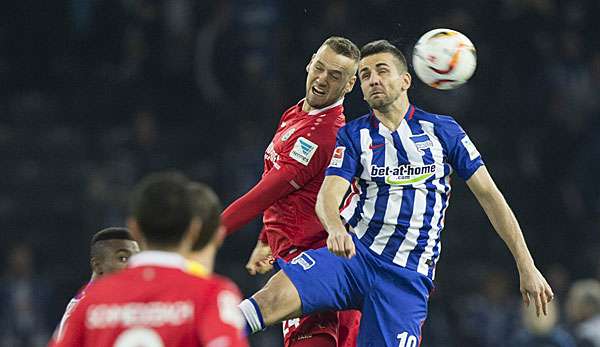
{"x":533,"y":285}
{"x":339,"y":242}
{"x":272,"y":187}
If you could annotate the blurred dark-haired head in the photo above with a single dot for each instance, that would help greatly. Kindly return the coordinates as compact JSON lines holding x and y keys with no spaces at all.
{"x":162,"y":210}
{"x":207,"y":207}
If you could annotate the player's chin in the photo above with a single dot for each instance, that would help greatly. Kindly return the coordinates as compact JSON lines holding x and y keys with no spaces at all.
{"x":318,"y":101}
{"x":376,"y":103}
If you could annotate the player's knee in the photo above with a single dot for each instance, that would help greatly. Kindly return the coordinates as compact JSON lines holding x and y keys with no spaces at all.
{"x":278,"y":299}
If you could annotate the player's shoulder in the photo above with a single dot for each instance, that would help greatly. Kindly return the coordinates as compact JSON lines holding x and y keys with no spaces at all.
{"x":356,"y":124}
{"x":200,"y":275}
{"x":290,"y":112}
{"x":223,"y":283}
{"x":109,"y":283}
{"x":444,"y":126}
{"x":436,"y":119}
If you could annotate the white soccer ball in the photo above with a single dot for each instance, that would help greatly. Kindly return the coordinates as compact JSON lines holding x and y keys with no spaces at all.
{"x":444,"y":58}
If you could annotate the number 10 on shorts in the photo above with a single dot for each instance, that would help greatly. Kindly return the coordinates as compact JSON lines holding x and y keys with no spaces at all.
{"x":407,"y":340}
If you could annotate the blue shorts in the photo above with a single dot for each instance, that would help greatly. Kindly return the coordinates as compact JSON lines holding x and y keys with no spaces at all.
{"x":393,"y":300}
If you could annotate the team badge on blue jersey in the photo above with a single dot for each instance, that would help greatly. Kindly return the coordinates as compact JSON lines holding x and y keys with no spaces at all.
{"x":304,"y":260}
{"x":422,"y":142}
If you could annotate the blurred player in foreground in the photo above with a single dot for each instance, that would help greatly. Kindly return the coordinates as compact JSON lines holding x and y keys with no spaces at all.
{"x":207,"y":207}
{"x":159,"y":300}
{"x":110,"y":250}
{"x":294,"y":168}
{"x":398,"y":160}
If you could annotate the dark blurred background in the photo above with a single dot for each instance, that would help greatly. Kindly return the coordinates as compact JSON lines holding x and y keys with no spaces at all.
{"x":96,"y":93}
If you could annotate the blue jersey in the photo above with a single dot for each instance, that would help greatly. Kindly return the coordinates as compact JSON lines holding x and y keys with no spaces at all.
{"x":401,"y":183}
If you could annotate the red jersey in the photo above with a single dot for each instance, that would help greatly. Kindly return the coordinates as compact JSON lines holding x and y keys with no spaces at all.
{"x":70,"y":307}
{"x":304,"y":142}
{"x":161,"y":299}
{"x":294,"y":169}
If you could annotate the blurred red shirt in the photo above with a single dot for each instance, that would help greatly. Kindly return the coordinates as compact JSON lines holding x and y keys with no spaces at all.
{"x":161,"y":299}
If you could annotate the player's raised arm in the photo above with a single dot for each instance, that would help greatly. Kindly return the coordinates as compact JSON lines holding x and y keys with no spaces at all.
{"x":533,"y":285}
{"x":339,"y":242}
{"x":273,"y":186}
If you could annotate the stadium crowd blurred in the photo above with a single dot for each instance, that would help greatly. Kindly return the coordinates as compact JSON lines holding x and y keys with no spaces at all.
{"x":96,"y":93}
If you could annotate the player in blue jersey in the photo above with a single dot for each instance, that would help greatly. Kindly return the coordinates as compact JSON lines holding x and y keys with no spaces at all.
{"x":397,"y":160}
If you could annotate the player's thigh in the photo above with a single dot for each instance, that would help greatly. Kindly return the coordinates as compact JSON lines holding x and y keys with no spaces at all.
{"x":325,"y":281}
{"x":394,"y":312}
{"x":278,"y":299}
{"x":348,"y":327}
{"x":316,"y":329}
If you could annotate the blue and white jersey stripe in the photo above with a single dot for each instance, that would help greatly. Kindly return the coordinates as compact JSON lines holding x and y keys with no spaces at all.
{"x":401,"y":183}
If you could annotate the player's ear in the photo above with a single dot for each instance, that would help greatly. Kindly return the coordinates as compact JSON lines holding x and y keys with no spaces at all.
{"x":191,"y":235}
{"x":309,"y":62}
{"x":134,"y":229}
{"x":219,"y":236}
{"x":95,"y":265}
{"x":406,"y":80}
{"x":350,"y":84}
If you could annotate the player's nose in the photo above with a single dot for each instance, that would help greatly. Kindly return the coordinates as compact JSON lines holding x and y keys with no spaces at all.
{"x":374,"y":80}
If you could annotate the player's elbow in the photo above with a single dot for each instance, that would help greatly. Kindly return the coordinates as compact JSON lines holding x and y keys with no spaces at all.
{"x":319,"y":205}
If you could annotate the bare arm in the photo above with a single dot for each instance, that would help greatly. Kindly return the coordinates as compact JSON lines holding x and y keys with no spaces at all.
{"x":533,"y":284}
{"x":339,"y":242}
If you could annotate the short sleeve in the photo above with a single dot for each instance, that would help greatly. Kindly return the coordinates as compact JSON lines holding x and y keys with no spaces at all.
{"x":345,"y":158}
{"x":222,"y":322}
{"x":463,"y":156}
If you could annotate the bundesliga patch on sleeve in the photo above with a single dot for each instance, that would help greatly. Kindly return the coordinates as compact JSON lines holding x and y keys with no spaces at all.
{"x":338,"y":157}
{"x":473,"y":152}
{"x":303,"y":151}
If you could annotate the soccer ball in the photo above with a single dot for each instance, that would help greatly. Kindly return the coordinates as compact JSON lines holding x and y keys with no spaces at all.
{"x":444,"y":58}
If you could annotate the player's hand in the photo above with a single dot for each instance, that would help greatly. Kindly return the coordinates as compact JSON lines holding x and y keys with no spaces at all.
{"x":534,"y":287}
{"x":261,"y":260}
{"x":340,"y":243}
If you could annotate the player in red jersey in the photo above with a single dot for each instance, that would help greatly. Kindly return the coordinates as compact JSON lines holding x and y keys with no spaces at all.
{"x":110,"y":250}
{"x":294,"y":169}
{"x":160,"y":299}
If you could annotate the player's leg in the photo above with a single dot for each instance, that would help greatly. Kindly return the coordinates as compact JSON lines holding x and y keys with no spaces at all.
{"x":276,"y":301}
{"x":321,"y":340}
{"x":349,"y":322}
{"x":314,"y":281}
{"x":319,"y":328}
{"x":394,"y":311}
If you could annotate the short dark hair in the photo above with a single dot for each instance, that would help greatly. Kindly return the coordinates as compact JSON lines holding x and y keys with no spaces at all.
{"x":343,"y":46}
{"x":384,"y":46}
{"x":113,"y":233}
{"x":208,"y":207}
{"x":162,"y":205}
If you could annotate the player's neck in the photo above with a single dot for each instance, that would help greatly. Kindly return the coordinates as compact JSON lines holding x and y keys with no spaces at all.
{"x":392,"y":115}
{"x":307,"y":108}
{"x":206,"y":257}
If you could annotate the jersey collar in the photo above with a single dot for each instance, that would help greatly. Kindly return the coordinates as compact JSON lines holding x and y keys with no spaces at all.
{"x":158,"y":258}
{"x":410,"y":112}
{"x":321,"y":110}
